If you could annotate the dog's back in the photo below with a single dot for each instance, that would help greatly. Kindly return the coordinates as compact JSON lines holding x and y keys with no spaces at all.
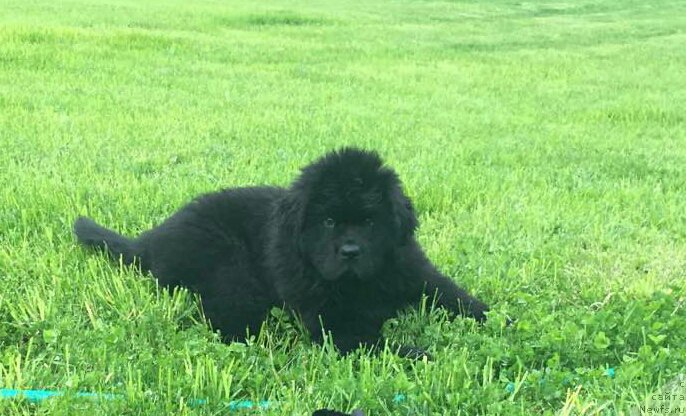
{"x":213,"y":246}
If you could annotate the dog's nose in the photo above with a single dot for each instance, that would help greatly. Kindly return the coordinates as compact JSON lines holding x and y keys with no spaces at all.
{"x":350,"y":251}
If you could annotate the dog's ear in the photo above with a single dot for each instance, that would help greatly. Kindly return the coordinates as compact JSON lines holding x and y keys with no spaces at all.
{"x":291,"y":213}
{"x":284,"y":239}
{"x":403,"y":213}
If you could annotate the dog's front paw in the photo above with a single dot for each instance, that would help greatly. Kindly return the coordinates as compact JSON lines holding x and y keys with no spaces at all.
{"x":414,"y":353}
{"x":478,"y":312}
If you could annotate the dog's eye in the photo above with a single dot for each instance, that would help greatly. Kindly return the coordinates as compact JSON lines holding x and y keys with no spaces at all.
{"x":369,"y":222}
{"x":329,"y":223}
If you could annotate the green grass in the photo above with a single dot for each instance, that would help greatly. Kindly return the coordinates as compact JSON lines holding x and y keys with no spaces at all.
{"x":544,"y":144}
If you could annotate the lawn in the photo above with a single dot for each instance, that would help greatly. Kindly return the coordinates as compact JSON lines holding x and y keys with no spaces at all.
{"x":544,"y":145}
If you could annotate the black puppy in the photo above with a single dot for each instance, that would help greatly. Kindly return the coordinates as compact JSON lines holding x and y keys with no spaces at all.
{"x":337,"y":247}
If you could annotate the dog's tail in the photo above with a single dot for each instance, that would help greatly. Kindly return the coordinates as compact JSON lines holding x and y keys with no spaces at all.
{"x":91,"y":234}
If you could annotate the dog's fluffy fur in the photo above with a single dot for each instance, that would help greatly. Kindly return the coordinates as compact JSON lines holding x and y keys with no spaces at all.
{"x":337,"y":247}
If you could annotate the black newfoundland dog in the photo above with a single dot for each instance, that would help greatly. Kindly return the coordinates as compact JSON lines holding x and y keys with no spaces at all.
{"x":337,"y":247}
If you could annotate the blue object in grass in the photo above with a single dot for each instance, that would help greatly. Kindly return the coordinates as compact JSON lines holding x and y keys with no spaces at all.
{"x":40,"y":395}
{"x":510,"y":387}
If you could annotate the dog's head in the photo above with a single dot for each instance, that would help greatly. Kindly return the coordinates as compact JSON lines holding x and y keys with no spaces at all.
{"x":347,"y":212}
